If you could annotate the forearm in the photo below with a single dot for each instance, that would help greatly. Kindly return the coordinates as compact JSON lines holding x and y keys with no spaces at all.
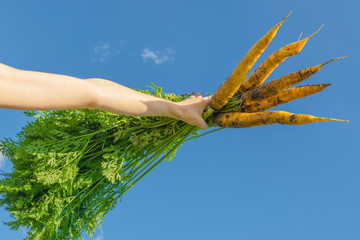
{"x":116,"y":98}
{"x":30,"y":90}
{"x":119,"y":99}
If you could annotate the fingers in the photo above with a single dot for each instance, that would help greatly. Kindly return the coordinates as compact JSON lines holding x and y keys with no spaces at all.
{"x":203,"y":125}
{"x":203,"y":102}
{"x":197,"y":121}
{"x":195,"y":95}
{"x":207,"y":99}
{"x":192,"y":109}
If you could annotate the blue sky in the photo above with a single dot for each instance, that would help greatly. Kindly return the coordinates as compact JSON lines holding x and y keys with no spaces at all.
{"x":272,"y":182}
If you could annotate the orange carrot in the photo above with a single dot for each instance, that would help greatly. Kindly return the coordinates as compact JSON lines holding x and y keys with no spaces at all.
{"x":228,"y":88}
{"x":278,"y":85}
{"x":258,"y":76}
{"x":284,"y":97}
{"x":245,"y":120}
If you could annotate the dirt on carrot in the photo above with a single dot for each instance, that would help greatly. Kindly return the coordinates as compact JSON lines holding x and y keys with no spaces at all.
{"x":229,"y":87}
{"x":284,"y":97}
{"x":280,"y":84}
{"x":258,"y":76}
{"x":245,"y":120}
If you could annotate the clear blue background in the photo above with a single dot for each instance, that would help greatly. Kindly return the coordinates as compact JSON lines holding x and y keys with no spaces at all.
{"x":272,"y":182}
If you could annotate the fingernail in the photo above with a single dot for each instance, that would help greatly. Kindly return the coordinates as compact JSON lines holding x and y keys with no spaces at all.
{"x":204,"y":127}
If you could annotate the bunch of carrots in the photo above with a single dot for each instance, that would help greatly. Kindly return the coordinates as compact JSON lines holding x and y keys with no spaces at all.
{"x":240,"y":100}
{"x":70,"y":167}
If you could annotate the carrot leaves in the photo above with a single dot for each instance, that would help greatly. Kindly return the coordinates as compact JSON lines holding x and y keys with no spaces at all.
{"x":70,"y":167}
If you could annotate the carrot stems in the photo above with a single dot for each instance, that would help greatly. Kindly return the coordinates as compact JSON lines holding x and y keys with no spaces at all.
{"x":70,"y":167}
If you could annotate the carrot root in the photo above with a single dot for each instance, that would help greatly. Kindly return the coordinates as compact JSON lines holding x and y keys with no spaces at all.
{"x":232,"y":83}
{"x":245,"y":120}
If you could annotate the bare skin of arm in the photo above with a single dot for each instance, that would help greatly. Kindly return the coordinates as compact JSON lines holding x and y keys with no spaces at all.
{"x":30,"y":90}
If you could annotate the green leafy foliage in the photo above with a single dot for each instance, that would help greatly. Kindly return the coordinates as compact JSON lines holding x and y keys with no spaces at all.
{"x":70,"y":167}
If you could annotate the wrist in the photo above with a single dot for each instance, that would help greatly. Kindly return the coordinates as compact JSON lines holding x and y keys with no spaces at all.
{"x":174,"y":110}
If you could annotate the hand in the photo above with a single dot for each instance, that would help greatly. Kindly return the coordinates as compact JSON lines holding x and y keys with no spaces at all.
{"x":191,"y":111}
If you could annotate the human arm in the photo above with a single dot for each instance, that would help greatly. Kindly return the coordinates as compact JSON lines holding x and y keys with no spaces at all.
{"x":30,"y":90}
{"x":116,"y":98}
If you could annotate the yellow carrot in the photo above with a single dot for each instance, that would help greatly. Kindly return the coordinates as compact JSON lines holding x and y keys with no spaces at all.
{"x":278,"y":85}
{"x":284,"y":97}
{"x":228,"y":88}
{"x":245,"y":120}
{"x":258,"y":76}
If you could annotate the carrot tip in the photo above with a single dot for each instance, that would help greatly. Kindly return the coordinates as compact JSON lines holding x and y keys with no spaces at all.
{"x":337,"y":120}
{"x":300,"y":43}
{"x":281,"y":22}
{"x":287,"y":15}
{"x":300,"y":36}
{"x":321,"y":65}
{"x":314,"y":32}
{"x":341,"y":120}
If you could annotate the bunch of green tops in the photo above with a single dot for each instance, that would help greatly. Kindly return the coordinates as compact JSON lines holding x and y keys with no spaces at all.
{"x":70,"y":167}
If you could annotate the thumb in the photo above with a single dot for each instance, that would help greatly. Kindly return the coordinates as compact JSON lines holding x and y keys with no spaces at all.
{"x":202,"y":124}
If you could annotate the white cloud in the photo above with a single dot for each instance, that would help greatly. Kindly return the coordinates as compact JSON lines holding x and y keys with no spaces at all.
{"x":158,"y":56}
{"x":100,"y":237}
{"x":104,"y":51}
{"x":2,"y":160}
